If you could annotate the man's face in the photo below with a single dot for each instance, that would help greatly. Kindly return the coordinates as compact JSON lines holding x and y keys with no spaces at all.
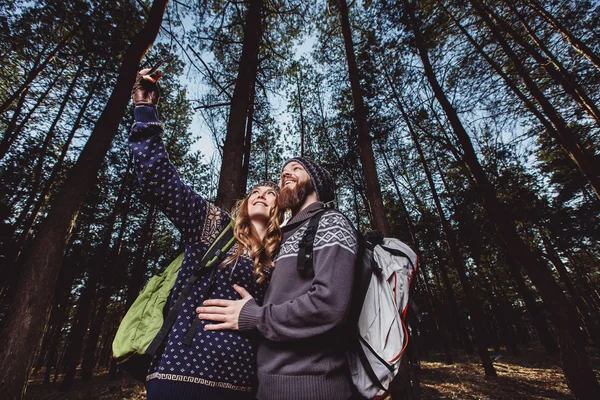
{"x":295,"y":185}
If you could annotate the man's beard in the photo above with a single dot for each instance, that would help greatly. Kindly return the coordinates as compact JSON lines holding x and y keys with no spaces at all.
{"x":293,"y":198}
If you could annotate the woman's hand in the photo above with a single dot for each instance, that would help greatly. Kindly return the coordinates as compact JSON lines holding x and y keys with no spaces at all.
{"x":145,"y":91}
{"x":225,"y":311}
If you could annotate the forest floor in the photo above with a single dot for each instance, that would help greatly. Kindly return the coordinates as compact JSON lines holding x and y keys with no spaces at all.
{"x":531,"y":376}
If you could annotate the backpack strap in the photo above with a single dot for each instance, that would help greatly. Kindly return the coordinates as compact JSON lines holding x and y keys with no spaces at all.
{"x":304,"y":263}
{"x":212,"y":258}
{"x":367,"y":365}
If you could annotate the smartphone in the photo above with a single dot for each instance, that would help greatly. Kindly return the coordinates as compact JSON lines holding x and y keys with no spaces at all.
{"x":159,"y":64}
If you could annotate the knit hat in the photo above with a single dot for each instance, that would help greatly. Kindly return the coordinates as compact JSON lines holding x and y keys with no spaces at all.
{"x":270,"y":184}
{"x":321,"y":178}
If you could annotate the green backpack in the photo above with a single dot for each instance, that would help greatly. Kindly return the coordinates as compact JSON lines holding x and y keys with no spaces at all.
{"x":144,"y":327}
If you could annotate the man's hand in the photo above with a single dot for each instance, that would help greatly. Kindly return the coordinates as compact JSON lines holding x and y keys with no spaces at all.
{"x":225,"y":311}
{"x":145,"y":91}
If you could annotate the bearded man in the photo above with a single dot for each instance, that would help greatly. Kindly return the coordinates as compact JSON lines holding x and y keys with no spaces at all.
{"x":302,"y":355}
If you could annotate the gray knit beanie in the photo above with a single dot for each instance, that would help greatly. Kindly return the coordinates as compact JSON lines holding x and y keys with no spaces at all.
{"x":321,"y":178}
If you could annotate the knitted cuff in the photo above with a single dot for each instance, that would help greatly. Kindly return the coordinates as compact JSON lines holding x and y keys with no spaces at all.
{"x":249,"y":316}
{"x":145,"y":115}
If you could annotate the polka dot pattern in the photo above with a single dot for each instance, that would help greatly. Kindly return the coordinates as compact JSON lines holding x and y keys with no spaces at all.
{"x":214,"y":358}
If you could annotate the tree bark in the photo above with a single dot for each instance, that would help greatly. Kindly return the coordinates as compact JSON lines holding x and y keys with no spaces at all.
{"x":28,"y":314}
{"x":230,"y":180}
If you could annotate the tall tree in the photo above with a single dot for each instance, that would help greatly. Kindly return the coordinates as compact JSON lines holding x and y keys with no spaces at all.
{"x":369,"y":167}
{"x":566,"y":136}
{"x":578,"y":44}
{"x":576,"y":364}
{"x":230,"y":181}
{"x":475,"y":311}
{"x":21,"y":335}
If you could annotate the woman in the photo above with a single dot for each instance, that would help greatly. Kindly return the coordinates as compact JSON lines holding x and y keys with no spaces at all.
{"x":217,"y":365}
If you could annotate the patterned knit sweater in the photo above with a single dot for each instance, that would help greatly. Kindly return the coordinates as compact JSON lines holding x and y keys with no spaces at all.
{"x":302,"y":321}
{"x":217,"y":359}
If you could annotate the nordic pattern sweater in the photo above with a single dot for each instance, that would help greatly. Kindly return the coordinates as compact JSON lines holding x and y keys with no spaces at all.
{"x":302,"y":355}
{"x":224,"y":359}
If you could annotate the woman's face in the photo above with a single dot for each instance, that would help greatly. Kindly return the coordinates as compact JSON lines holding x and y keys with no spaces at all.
{"x":260,"y":202}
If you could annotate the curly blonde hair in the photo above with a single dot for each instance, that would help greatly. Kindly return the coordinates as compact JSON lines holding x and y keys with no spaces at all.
{"x":261,"y":253}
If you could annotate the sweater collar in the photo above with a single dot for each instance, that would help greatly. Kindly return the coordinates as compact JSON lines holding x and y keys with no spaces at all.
{"x":303,"y":215}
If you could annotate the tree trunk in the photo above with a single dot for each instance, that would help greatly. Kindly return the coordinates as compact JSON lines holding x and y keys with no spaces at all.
{"x":137,"y":272}
{"x":230,"y":180}
{"x":576,"y":43}
{"x":9,"y":137}
{"x":476,"y":313}
{"x":248,"y":143}
{"x":38,"y":66}
{"x":409,"y":224}
{"x":440,"y":328}
{"x":79,"y":326}
{"x":538,"y":319}
{"x":39,"y":165}
{"x":108,"y":264}
{"x":59,"y":313}
{"x":576,"y":364}
{"x":300,"y":110}
{"x":590,"y":322}
{"x":554,"y":123}
{"x":357,"y":187}
{"x":28,"y":314}
{"x":552,"y":65}
{"x":507,"y":334}
{"x":457,"y":320}
{"x":369,"y":167}
{"x":11,"y":133}
{"x":13,"y":261}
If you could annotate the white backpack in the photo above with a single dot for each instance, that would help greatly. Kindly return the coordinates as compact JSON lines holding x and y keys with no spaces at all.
{"x":384,"y":269}
{"x":381,"y":332}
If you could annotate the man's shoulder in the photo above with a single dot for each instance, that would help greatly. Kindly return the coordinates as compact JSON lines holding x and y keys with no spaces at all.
{"x":333,"y":217}
{"x":335,"y":229}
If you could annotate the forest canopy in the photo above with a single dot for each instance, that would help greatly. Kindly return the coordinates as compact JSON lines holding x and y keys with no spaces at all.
{"x":468,"y":129}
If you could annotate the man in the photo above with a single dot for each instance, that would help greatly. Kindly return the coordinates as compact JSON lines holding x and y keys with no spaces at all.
{"x":302,"y":355}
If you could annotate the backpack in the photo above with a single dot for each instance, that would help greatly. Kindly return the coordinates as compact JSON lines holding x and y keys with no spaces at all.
{"x":145,"y":326}
{"x":383,"y":272}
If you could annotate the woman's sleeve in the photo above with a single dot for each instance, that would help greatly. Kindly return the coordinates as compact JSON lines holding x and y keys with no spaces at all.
{"x":193,"y":216}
